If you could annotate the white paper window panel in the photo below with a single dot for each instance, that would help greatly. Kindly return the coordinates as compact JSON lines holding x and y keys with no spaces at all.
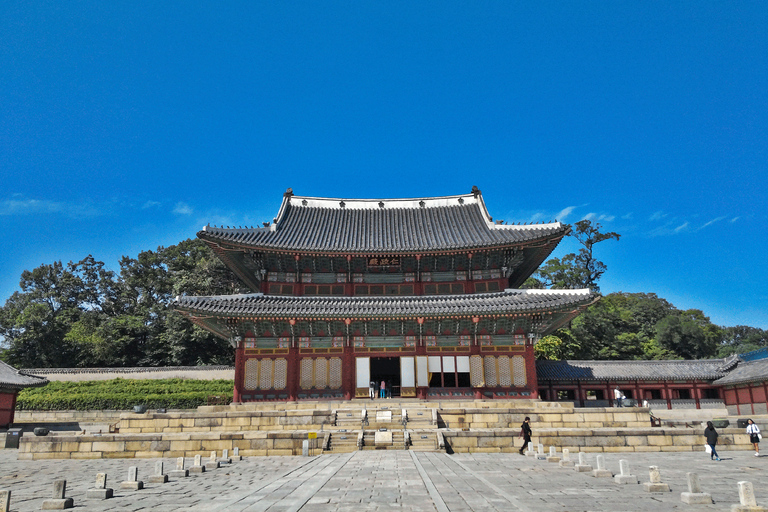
{"x":363,"y":365}
{"x":449,"y":364}
{"x":422,"y":374}
{"x":407,"y":372}
{"x":434,"y":364}
{"x":462,"y":364}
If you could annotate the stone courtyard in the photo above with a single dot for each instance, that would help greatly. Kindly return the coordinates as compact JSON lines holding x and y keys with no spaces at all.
{"x":390,"y":480}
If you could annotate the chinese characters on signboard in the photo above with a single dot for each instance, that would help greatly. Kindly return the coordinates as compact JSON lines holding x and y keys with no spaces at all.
{"x":384,"y":261}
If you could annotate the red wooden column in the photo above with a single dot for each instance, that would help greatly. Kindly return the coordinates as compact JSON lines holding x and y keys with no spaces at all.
{"x":237,"y":392}
{"x":348,"y":370}
{"x":668,"y":395}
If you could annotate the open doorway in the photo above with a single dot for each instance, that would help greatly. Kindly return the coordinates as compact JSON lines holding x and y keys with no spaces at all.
{"x":386,"y":369}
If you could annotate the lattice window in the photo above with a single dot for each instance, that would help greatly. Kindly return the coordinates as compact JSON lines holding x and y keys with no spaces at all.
{"x":265,"y":374}
{"x":251,"y":374}
{"x":281,"y":373}
{"x":490,"y":371}
{"x":476,"y":371}
{"x":505,"y":373}
{"x":518,"y":371}
{"x":334,"y":380}
{"x":305,"y":379}
{"x":321,"y":373}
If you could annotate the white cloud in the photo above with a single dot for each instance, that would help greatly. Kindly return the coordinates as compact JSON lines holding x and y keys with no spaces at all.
{"x":10,"y":207}
{"x":564,"y":213}
{"x":718,"y":219}
{"x":182,"y":209}
{"x":735,"y":219}
{"x":681,"y":227}
{"x":150,"y":204}
{"x":658,"y":215}
{"x":627,"y":216}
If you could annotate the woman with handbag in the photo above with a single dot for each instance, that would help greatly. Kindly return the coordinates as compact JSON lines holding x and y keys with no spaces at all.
{"x":754,"y":436}
{"x":711,"y":434}
{"x":525,"y":433}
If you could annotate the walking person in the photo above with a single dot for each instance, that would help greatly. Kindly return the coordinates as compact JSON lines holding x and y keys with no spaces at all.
{"x":754,"y":436}
{"x":711,"y":434}
{"x":525,"y":433}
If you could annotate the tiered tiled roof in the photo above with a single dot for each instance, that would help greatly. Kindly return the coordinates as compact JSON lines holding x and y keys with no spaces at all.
{"x":509,"y":301}
{"x":746,"y":372}
{"x":707,"y":369}
{"x":390,"y":226}
{"x":13,"y":379}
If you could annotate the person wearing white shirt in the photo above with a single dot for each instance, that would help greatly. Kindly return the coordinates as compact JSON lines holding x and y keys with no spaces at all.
{"x":754,"y":436}
{"x":618,"y":396}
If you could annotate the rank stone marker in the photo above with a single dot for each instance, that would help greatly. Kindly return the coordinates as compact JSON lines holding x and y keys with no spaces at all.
{"x":553,"y":455}
{"x":159,"y":477}
{"x":225,"y":458}
{"x":180,"y":472}
{"x":654,"y":481}
{"x":601,"y":472}
{"x":625,"y":477}
{"x":101,"y":491}
{"x":133,"y":482}
{"x":59,"y":502}
{"x":747,"y":500}
{"x":530,"y":452}
{"x":212,"y":462}
{"x":566,"y":462}
{"x":5,"y":501}
{"x":694,"y":496}
{"x":197,"y":467}
{"x":236,"y":454}
{"x":582,"y":466}
{"x":540,"y":452}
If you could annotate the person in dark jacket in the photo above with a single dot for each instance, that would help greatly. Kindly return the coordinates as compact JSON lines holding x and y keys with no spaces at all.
{"x":525,"y":432}
{"x":711,"y":434}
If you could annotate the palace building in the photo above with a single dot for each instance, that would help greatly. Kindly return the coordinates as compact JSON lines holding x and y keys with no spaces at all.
{"x":421,"y":294}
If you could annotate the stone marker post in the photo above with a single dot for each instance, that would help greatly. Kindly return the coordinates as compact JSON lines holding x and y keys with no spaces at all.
{"x":305,"y":448}
{"x":748,"y":502}
{"x":582,"y":466}
{"x":197,"y":467}
{"x":566,"y":462}
{"x":531,"y":452}
{"x":694,"y":496}
{"x":212,"y":462}
{"x":59,"y":501}
{"x":654,"y":484}
{"x":180,"y":472}
{"x":625,"y":477}
{"x":553,"y":455}
{"x":101,"y":491}
{"x":225,"y":458}
{"x":133,"y":483}
{"x":159,"y":477}
{"x":540,"y":452}
{"x":236,"y":453}
{"x":601,"y":472}
{"x":5,"y":501}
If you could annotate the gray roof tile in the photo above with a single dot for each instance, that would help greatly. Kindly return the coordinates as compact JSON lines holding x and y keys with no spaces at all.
{"x":12,"y":378}
{"x":746,"y":372}
{"x":366,"y":226}
{"x":706,"y":369}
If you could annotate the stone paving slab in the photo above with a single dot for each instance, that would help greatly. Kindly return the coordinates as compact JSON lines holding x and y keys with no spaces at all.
{"x":390,"y":480}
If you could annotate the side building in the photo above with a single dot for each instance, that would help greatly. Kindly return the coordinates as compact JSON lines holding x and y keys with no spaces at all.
{"x":420,"y":294}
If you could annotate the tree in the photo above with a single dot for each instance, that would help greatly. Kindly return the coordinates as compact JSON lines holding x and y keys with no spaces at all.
{"x":575,"y":270}
{"x":741,"y":339}
{"x":689,"y":334}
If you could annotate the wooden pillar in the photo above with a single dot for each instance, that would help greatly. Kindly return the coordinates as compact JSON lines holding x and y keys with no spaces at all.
{"x":751,"y":399}
{"x":237,"y":392}
{"x":697,"y":394}
{"x":580,"y":391}
{"x":292,"y":375}
{"x":668,"y":395}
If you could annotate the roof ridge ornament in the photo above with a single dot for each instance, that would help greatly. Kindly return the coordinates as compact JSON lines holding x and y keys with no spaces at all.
{"x":475,"y":191}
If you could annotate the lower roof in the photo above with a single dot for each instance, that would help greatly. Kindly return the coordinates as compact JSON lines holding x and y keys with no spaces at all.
{"x":705,"y":369}
{"x":11,"y":378}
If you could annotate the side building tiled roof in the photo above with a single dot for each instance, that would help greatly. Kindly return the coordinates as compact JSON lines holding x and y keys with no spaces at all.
{"x":482,"y":304}
{"x":13,"y":379}
{"x":746,"y":372}
{"x":389,"y":226}
{"x":706,"y":369}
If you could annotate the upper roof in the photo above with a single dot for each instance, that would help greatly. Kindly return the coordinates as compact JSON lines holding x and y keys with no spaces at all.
{"x":372,"y":226}
{"x":481,"y":304}
{"x":706,"y":369}
{"x":12,"y":378}
{"x":746,"y":372}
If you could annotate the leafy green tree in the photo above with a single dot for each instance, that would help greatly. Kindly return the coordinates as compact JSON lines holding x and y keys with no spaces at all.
{"x":689,"y":334}
{"x":741,"y":339}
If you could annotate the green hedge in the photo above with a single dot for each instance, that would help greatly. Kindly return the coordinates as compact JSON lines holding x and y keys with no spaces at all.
{"x":123,"y":394}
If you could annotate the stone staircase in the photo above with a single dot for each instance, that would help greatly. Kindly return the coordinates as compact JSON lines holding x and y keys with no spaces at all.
{"x":389,"y":440}
{"x":423,"y":441}
{"x":343,"y":442}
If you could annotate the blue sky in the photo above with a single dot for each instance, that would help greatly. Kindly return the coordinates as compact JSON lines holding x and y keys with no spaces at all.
{"x":125,"y":126}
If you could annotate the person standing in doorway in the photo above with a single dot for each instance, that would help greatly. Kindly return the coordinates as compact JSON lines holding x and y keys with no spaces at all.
{"x":617,"y":395}
{"x":754,"y":436}
{"x":711,"y":434}
{"x":525,"y":433}
{"x":372,"y":389}
{"x":383,"y":390}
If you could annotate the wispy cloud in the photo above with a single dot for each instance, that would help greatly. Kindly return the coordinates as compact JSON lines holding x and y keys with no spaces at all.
{"x":22,"y":206}
{"x":718,"y":219}
{"x":150,"y":204}
{"x":681,"y":227}
{"x":627,"y":216}
{"x":658,"y":215}
{"x":564,"y":213}
{"x":735,"y":219}
{"x":182,"y":209}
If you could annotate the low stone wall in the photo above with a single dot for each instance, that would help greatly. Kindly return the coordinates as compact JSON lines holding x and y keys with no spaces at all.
{"x":551,"y":418}
{"x":204,"y":421}
{"x":595,"y":440}
{"x":97,"y":416}
{"x":168,"y":372}
{"x":117,"y":446}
